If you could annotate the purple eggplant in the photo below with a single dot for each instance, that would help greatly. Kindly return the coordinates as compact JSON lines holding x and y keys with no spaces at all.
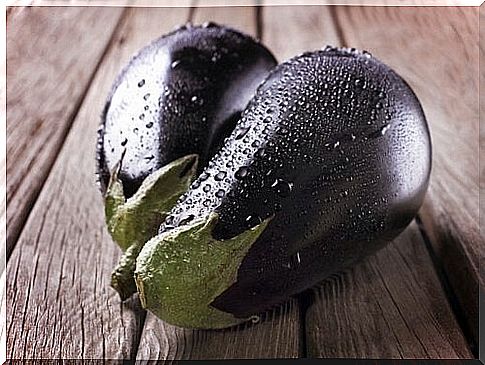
{"x":329,"y":162}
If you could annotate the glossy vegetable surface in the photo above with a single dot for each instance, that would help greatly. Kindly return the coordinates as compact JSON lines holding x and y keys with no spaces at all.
{"x":178,"y":96}
{"x":167,"y":113}
{"x":330,"y":161}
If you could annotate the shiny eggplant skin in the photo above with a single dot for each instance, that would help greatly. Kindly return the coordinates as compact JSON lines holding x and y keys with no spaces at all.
{"x":180,"y":95}
{"x":335,"y":150}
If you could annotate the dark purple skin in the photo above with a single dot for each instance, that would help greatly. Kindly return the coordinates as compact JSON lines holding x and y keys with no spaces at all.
{"x":335,"y":147}
{"x":180,"y":95}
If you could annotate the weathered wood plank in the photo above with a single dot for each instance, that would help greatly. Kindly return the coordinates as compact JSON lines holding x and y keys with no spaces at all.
{"x":3,"y":317}
{"x":52,"y":53}
{"x":277,"y":335}
{"x":59,"y":300}
{"x":481,"y":324}
{"x":390,"y":306}
{"x":238,"y":17}
{"x":482,"y":115}
{"x":291,"y":30}
{"x":436,"y":51}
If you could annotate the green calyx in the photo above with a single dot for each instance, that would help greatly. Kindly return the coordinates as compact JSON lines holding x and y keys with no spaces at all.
{"x":180,"y":272}
{"x":132,"y":222}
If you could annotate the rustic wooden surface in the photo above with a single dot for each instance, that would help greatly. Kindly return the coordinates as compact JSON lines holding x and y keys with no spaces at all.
{"x":51,"y":60}
{"x":391,"y":306}
{"x":284,"y":35}
{"x":482,"y":126}
{"x":409,"y":300}
{"x":278,"y":334}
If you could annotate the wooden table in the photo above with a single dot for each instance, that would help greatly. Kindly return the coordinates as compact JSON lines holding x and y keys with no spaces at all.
{"x":417,"y":298}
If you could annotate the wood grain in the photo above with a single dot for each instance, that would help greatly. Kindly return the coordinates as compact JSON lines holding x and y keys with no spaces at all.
{"x":482,"y":116}
{"x":481,"y":324}
{"x":436,"y":51}
{"x":291,"y":30}
{"x":3,"y":317}
{"x":51,"y":58}
{"x":390,"y":306}
{"x":243,"y":18}
{"x":278,"y":334}
{"x":59,"y":300}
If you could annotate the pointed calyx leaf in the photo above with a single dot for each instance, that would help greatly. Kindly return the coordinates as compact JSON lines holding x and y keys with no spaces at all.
{"x":134,"y":221}
{"x":114,"y":197}
{"x":180,"y":272}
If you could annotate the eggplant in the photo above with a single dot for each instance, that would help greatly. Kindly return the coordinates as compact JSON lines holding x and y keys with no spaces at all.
{"x":329,"y":162}
{"x":166,"y":115}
